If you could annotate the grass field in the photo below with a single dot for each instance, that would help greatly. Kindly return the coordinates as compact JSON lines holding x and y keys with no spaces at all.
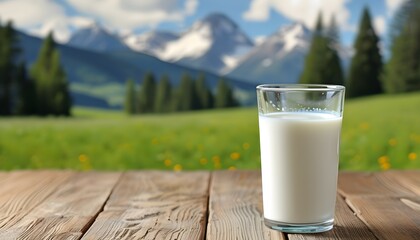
{"x":379,"y":133}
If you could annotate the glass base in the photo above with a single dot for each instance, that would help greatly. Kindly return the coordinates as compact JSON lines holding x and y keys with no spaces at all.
{"x":300,"y":227}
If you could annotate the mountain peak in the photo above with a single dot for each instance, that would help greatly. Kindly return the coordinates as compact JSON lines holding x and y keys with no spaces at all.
{"x":215,"y":24}
{"x":96,"y":37}
{"x":152,"y":42}
{"x":219,"y":20}
{"x":296,"y":29}
{"x":287,"y":38}
{"x":211,"y":43}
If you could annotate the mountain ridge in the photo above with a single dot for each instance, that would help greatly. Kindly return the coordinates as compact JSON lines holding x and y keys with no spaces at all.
{"x":102,"y":75}
{"x":95,"y":37}
{"x":217,"y":44}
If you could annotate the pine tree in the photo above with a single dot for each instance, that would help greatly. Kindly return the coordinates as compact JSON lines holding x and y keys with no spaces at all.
{"x":147,"y":93}
{"x":26,"y":95}
{"x":224,"y":95}
{"x":40,"y":73}
{"x":8,"y":53}
{"x":332,"y":32}
{"x":52,"y":91}
{"x":130,"y":97}
{"x":204,"y":95}
{"x":186,"y":94}
{"x":334,"y":72}
{"x":61,"y":97}
{"x":315,"y":59}
{"x":402,"y":72}
{"x":322,"y":64}
{"x":366,"y":64}
{"x":163,"y":95}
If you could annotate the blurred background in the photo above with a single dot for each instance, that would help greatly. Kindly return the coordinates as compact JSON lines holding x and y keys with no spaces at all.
{"x":170,"y":84}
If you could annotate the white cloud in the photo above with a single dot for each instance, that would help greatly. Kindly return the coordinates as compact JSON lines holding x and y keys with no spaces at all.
{"x":39,"y":17}
{"x":59,"y":26}
{"x":258,"y":11}
{"x":134,"y":13}
{"x":393,"y":5}
{"x":379,"y":24}
{"x":305,"y":11}
{"x":29,"y":13}
{"x":190,"y":6}
{"x":81,"y":22}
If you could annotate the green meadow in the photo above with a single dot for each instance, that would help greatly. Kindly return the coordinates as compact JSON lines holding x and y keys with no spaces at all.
{"x":379,"y":133}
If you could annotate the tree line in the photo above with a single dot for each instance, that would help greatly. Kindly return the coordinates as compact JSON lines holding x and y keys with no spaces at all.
{"x":43,"y":90}
{"x":162,"y":97}
{"x":368,"y":74}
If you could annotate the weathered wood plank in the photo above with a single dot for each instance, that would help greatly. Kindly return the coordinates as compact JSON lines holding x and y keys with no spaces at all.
{"x":389,"y":217}
{"x":346,"y":226}
{"x":409,"y":179}
{"x":391,"y":183}
{"x":3,"y":175}
{"x":236,"y":207}
{"x":21,"y":191}
{"x":155,"y":205}
{"x":68,"y":212}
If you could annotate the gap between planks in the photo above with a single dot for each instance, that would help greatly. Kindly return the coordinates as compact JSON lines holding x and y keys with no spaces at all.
{"x":155,"y":205}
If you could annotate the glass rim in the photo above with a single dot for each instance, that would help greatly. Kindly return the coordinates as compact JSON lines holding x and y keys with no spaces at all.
{"x":280,"y":87}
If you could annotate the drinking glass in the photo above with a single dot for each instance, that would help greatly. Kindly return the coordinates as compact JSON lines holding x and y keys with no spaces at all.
{"x":300,"y":127}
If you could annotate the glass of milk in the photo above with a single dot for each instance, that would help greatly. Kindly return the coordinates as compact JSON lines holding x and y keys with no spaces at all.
{"x":300,"y":129}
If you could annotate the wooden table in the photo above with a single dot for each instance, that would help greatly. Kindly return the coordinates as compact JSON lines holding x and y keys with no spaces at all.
{"x":192,"y":205}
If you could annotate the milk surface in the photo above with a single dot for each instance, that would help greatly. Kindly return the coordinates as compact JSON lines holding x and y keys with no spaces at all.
{"x":299,"y":164}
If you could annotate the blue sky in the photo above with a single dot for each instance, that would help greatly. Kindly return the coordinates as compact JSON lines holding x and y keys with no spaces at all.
{"x":258,"y":18}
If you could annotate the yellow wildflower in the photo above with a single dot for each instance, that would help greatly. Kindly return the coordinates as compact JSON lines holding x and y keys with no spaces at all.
{"x":84,"y":161}
{"x":155,"y":141}
{"x":245,"y":146}
{"x":167,"y":162}
{"x":384,"y":162}
{"x":231,"y":168}
{"x":392,"y":142}
{"x":412,"y":156}
{"x":235,"y":156}
{"x":385,"y":166}
{"x":383,"y":159}
{"x":216,"y":159}
{"x":177,"y":167}
{"x":83,"y":158}
{"x":203,"y":161}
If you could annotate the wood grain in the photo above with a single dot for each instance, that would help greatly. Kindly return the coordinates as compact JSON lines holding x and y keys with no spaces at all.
{"x":409,"y":179}
{"x":68,"y":212}
{"x":21,"y":191}
{"x":235,"y":207}
{"x":390,"y":183}
{"x":51,"y":204}
{"x":155,"y":205}
{"x":389,"y":217}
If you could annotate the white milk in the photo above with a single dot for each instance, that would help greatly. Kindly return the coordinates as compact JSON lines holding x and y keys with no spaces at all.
{"x":299,"y":158}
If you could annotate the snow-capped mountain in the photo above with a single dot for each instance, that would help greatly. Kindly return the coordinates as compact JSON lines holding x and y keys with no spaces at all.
{"x":213,"y":44}
{"x":96,"y":38}
{"x":152,"y":43}
{"x":218,"y":45}
{"x":280,"y":58}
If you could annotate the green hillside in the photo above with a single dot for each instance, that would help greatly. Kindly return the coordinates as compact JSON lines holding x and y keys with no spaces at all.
{"x":101,"y":76}
{"x":379,"y":133}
